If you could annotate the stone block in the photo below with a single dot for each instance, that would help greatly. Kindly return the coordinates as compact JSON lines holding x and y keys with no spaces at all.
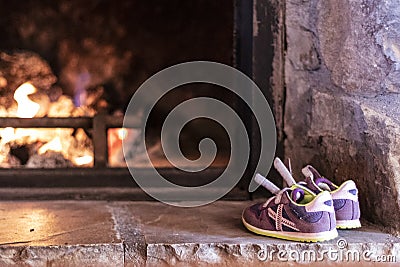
{"x":346,"y":32}
{"x":74,"y":255}
{"x":342,"y":116}
{"x":305,"y":55}
{"x":356,"y":138}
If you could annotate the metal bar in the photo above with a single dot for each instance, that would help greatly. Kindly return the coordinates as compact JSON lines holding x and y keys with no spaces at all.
{"x":78,"y":122}
{"x":72,"y":122}
{"x":99,"y":177}
{"x":65,"y":177}
{"x":243,"y":51}
{"x":91,"y":193}
{"x":100,"y":141}
{"x":100,"y":123}
{"x":110,"y":193}
{"x":243,"y":36}
{"x":127,"y":121}
{"x":113,"y":121}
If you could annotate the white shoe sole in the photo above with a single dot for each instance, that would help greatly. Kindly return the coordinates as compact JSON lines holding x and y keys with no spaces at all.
{"x":348,"y":224}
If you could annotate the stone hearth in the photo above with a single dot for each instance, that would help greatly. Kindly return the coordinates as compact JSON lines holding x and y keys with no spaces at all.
{"x":97,"y":233}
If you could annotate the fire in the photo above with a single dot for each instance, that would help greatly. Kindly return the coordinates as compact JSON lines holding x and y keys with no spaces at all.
{"x":122,"y":133}
{"x":26,"y":107}
{"x":7,"y":135}
{"x":73,"y":144}
{"x":53,"y":145}
{"x":84,"y":160}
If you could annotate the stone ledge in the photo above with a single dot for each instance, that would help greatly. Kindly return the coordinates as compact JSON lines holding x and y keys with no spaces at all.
{"x":96,"y":233}
{"x":63,"y":255}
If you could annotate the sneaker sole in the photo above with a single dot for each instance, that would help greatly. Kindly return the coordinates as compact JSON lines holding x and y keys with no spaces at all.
{"x":348,"y":224}
{"x":294,"y":236}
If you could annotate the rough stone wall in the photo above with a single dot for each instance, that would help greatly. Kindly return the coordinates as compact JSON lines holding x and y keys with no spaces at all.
{"x":342,"y":110}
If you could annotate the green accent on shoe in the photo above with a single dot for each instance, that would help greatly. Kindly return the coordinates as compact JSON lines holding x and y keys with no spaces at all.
{"x":293,"y":236}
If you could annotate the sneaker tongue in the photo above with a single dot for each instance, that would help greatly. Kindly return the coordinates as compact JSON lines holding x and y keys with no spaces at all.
{"x":315,"y":181}
{"x":311,"y":185}
{"x":324,"y":184}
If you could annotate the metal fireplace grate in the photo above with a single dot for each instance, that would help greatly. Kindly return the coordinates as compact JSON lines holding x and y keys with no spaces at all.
{"x":98,"y":176}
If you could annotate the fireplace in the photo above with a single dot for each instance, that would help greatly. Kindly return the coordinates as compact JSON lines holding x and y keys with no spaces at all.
{"x":68,"y":70}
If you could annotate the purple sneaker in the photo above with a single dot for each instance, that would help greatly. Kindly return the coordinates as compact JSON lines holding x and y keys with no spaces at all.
{"x":294,"y":213}
{"x":345,"y":197}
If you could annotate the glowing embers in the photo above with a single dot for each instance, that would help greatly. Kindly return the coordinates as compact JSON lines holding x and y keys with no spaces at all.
{"x":115,"y":136}
{"x":84,"y":160}
{"x":44,"y":147}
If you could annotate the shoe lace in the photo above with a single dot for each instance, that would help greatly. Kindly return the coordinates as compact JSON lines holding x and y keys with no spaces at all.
{"x":277,"y":197}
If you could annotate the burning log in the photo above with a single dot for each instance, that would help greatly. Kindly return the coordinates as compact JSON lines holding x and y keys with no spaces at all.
{"x":26,"y":81}
{"x":49,"y":159}
{"x":27,"y":90}
{"x":7,"y":159}
{"x":73,"y":145}
{"x":44,"y":103}
{"x":63,"y":107}
{"x":19,"y":67}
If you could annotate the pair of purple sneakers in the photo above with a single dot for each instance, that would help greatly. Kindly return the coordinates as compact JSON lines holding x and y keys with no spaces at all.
{"x":308,"y":211}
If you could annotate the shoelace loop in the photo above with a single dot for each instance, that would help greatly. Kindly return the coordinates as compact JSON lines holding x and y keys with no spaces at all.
{"x":277,"y":197}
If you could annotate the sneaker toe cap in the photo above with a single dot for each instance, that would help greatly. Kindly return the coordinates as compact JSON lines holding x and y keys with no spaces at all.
{"x":253,"y":215}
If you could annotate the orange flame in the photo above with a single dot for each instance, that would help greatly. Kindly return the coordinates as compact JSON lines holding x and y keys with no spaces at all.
{"x":122,"y":133}
{"x":26,"y":107}
{"x":57,"y":140}
{"x":53,"y":145}
{"x":84,"y":160}
{"x":7,"y":135}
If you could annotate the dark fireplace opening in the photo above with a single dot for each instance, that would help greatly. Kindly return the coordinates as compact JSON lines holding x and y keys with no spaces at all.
{"x":78,"y":63}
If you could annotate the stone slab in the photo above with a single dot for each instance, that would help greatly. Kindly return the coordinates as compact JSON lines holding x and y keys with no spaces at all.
{"x":99,"y":233}
{"x":214,"y":234}
{"x":58,"y":233}
{"x":56,"y":223}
